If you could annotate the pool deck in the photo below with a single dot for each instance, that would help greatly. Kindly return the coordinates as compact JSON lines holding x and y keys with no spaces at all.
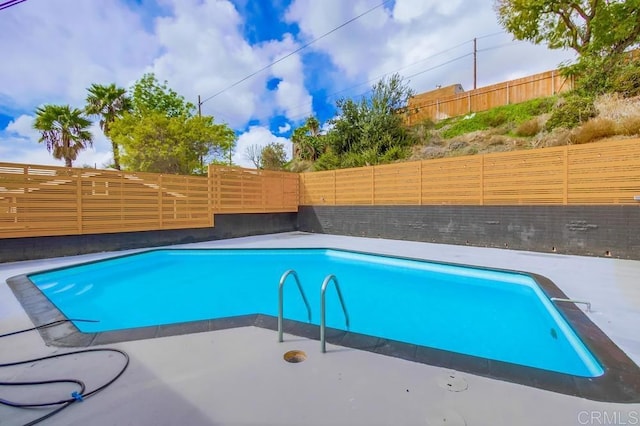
{"x":238,"y":376}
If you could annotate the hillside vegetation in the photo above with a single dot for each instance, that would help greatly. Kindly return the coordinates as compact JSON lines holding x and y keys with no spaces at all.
{"x":553,"y":121}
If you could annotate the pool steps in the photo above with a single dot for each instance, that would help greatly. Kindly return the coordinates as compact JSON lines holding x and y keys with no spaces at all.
{"x":560,"y":299}
{"x":329,"y":278}
{"x":281,"y":299}
{"x":323,"y":325}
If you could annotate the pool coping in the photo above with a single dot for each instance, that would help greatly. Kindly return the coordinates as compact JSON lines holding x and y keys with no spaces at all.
{"x":619,"y":383}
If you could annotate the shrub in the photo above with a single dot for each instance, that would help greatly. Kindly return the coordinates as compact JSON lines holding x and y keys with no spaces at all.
{"x":495,"y":119}
{"x":597,"y":128}
{"x":394,"y":153}
{"x":627,"y":80}
{"x":573,"y":111}
{"x":539,"y":106}
{"x":300,"y":166}
{"x":629,"y":126}
{"x":557,"y":137}
{"x":528,"y":128}
{"x":327,"y":161}
{"x":352,"y":159}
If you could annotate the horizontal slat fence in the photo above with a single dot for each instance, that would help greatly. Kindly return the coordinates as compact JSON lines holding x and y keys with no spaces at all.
{"x":597,"y":173}
{"x":424,"y":106}
{"x":49,"y":200}
{"x":240,"y":190}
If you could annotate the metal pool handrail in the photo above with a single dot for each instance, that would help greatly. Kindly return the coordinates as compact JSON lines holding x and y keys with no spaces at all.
{"x":560,"y":299}
{"x":325,"y":283}
{"x":281,"y":300}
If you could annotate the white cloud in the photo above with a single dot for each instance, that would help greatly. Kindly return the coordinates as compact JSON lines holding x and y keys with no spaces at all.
{"x":284,"y":128}
{"x":19,"y":144}
{"x":58,"y":48}
{"x":22,"y":127}
{"x":205,"y":53}
{"x":260,"y":136}
{"x":422,"y":31}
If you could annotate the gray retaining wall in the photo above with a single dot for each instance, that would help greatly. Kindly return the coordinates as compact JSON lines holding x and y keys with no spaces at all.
{"x":226,"y":226}
{"x":584,"y":230}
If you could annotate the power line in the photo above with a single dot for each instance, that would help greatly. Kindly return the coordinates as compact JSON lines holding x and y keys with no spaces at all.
{"x":491,"y":35}
{"x":8,"y":4}
{"x":412,"y":75}
{"x":500,"y":45}
{"x":327,"y":97}
{"x":294,"y":52}
{"x":294,"y":118}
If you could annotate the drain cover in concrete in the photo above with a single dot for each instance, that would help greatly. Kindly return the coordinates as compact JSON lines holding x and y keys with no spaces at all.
{"x":445,"y":418}
{"x":295,"y":356}
{"x":453,"y":383}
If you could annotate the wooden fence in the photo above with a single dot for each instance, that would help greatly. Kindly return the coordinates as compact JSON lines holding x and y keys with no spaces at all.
{"x":424,"y":106}
{"x":48,"y":200}
{"x":597,"y":173}
{"x":239,"y":190}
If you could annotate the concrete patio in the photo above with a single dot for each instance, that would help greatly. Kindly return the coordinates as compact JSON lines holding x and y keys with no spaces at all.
{"x":238,"y":376}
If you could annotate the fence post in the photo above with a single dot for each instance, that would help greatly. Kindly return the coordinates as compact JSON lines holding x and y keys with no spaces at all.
{"x":79,"y":201}
{"x":508,"y":93}
{"x":301,"y":189}
{"x":373,"y":185}
{"x":420,"y":181}
{"x":565,"y":198}
{"x":281,"y":190}
{"x":469,"y":103}
{"x":482,"y":179}
{"x":335,"y":201}
{"x":210,"y":196}
{"x":262,"y":180}
{"x":553,"y":82}
{"x":160,"y":218}
{"x":122,"y":190}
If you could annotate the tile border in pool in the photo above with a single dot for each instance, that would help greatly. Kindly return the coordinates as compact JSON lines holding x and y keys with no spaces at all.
{"x":619,"y":383}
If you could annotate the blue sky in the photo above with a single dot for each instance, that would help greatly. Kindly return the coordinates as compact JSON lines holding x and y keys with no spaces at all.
{"x":58,"y":48}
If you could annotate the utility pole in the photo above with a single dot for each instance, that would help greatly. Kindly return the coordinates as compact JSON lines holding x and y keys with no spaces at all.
{"x":475,"y":63}
{"x":199,"y":107}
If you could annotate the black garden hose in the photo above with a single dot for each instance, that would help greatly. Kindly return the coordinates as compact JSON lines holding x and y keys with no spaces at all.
{"x":76,"y":396}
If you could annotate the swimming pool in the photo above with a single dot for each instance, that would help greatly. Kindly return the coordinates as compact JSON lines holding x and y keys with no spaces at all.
{"x":497,"y":315}
{"x":620,"y":381}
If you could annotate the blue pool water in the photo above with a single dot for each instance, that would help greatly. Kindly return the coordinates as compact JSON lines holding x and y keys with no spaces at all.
{"x":491,"y":314}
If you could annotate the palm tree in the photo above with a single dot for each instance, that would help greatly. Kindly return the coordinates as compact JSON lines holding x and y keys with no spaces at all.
{"x":64,"y":130}
{"x":110,"y":103}
{"x":306,"y":140}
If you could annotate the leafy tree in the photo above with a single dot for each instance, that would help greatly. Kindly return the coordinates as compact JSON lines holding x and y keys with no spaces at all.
{"x":108,"y":102}
{"x":158,"y":143}
{"x":371,"y":126}
{"x":590,"y":27}
{"x":308,"y":141}
{"x":273,"y":157}
{"x":210,"y":142}
{"x":160,"y":134}
{"x":599,"y":31}
{"x":148,"y":94}
{"x":64,"y":130}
